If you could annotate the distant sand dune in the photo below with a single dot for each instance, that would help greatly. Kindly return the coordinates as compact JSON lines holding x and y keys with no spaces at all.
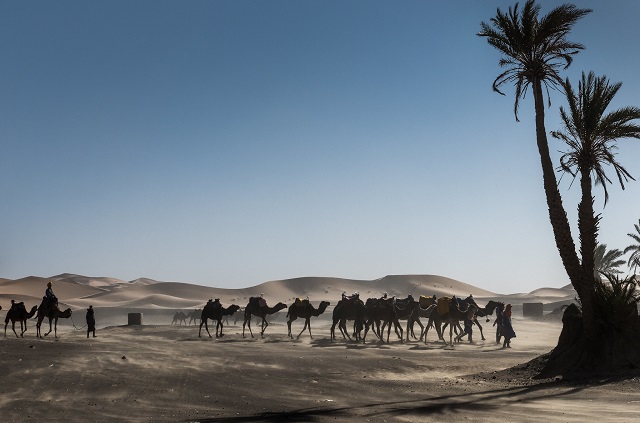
{"x":102,"y":292}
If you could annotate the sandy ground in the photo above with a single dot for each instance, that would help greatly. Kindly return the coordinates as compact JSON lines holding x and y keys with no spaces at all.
{"x":164,"y":373}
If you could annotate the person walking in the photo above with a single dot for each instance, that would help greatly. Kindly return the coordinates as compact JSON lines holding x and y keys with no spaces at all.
{"x":507,"y":328}
{"x":91,"y":321}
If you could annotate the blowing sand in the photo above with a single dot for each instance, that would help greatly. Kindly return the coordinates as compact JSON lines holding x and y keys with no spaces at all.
{"x":160,"y":372}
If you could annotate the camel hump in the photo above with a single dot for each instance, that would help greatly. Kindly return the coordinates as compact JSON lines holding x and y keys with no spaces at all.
{"x":443,"y":305}
{"x":257,"y":302}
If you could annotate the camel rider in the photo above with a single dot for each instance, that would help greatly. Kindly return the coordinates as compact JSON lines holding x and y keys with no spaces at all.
{"x":216,"y":303}
{"x":262,"y":302}
{"x":49,"y":295}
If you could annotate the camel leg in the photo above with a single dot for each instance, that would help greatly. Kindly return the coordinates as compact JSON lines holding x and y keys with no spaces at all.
{"x":398,"y":327}
{"x":13,"y":326}
{"x":333,"y":330}
{"x":247,"y":322}
{"x":306,"y":325}
{"x":220,"y":325}
{"x":421,"y":328}
{"x":206,"y":326}
{"x":289,"y":326}
{"x":343,"y":329}
{"x":264,"y":326}
{"x":55,"y":328}
{"x":479,"y":327}
{"x":50,"y":328}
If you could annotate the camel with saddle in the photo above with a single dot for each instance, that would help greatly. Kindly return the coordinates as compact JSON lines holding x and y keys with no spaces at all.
{"x":305,"y":310}
{"x":215,"y":311}
{"x":258,"y":307}
{"x":18,"y":313}
{"x":50,"y":311}
{"x":349,"y":309}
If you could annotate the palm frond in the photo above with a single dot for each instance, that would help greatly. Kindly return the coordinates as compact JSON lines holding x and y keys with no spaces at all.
{"x":532,"y":48}
{"x":591,"y":135}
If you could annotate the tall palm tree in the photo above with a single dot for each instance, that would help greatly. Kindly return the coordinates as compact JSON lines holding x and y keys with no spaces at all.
{"x":534,"y":50}
{"x":634,"y":259}
{"x":607,"y":262}
{"x":590,"y":134}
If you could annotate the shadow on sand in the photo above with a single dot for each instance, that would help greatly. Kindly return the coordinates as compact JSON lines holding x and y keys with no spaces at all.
{"x":480,"y":401}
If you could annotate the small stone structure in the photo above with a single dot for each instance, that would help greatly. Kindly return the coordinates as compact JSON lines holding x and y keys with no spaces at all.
{"x":135,"y":319}
{"x":533,"y":310}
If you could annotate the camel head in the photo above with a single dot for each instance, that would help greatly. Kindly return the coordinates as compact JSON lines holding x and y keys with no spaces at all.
{"x":65,"y":314}
{"x":280,"y":306}
{"x":33,"y":311}
{"x":233,"y":308}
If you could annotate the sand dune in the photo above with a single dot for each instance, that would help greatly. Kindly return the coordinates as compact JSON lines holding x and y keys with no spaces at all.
{"x":103,"y":292}
{"x":35,"y":287}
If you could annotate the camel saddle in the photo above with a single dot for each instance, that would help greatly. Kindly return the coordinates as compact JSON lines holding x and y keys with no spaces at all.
{"x":426,"y":301}
{"x":443,"y":305}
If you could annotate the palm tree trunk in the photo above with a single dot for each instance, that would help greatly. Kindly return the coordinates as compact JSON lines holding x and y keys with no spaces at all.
{"x":557,"y":214}
{"x":588,"y":227}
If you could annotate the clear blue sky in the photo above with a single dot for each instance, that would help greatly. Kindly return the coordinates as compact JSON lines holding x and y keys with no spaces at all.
{"x":228,"y":143}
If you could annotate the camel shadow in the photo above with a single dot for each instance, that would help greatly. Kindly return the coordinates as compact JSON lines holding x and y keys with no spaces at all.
{"x":423,"y":347}
{"x":473,"y":402}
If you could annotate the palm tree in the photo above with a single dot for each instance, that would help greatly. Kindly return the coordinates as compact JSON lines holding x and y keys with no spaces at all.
{"x":534,"y":50}
{"x":607,"y":262}
{"x":591,"y":134}
{"x":634,"y":259}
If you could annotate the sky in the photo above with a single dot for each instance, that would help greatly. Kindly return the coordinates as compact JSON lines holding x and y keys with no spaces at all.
{"x":227,"y":143}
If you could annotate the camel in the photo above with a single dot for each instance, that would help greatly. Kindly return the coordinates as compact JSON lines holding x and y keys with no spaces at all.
{"x":382,"y":310}
{"x":51,"y":312}
{"x":304,"y":309}
{"x":482,"y":312}
{"x":20,"y":314}
{"x":194,"y":316}
{"x":179,"y":318}
{"x":424,"y":310}
{"x":215,"y":311}
{"x":450,"y":312}
{"x":408,"y":309}
{"x":349,"y":309}
{"x":485,"y":311}
{"x":254,"y":308}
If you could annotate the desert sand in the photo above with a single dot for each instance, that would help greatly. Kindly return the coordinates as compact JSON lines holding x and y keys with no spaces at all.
{"x":158,"y":372}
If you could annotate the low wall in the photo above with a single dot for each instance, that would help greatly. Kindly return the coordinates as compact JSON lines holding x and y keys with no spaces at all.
{"x":134,"y":319}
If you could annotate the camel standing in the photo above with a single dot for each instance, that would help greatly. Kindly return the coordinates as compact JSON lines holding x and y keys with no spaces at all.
{"x":409,"y":309}
{"x":194,"y":316}
{"x":382,"y":310}
{"x":450,"y":312}
{"x":179,"y":318}
{"x":20,"y":314}
{"x":349,"y":309}
{"x":215,"y":312}
{"x":262,"y":311}
{"x":51,"y":312}
{"x":304,"y":309}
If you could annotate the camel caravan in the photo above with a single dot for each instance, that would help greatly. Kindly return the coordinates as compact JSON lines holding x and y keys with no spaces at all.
{"x":373,"y":315}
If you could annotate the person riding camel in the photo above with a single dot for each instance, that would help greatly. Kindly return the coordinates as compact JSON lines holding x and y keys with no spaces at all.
{"x":50,"y":296}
